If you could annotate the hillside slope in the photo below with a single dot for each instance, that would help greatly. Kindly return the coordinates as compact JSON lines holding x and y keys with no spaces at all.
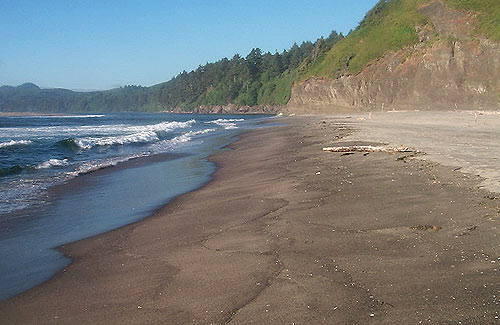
{"x":405,"y":54}
{"x":422,"y":54}
{"x":258,"y":82}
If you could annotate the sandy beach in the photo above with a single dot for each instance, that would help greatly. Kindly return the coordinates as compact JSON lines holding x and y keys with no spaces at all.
{"x":286,"y":233}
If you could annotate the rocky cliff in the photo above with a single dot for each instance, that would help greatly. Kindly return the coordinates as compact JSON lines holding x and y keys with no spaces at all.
{"x":450,"y":68}
{"x":231,"y":109}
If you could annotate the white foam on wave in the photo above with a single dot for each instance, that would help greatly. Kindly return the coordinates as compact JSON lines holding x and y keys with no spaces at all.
{"x":189,"y":135}
{"x":94,"y":165}
{"x":83,"y":116}
{"x":147,"y":134}
{"x":127,"y":128}
{"x":178,"y":140}
{"x":15,"y":143}
{"x":195,"y":133}
{"x":14,"y":194}
{"x":31,"y":188}
{"x":52,"y":163}
{"x":159,"y":147}
{"x":66,"y":116}
{"x":88,"y":130}
{"x":227,"y":124}
{"x":141,"y":137}
{"x":164,"y":126}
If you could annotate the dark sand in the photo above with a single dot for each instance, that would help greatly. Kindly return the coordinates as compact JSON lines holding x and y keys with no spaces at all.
{"x":375,"y":238}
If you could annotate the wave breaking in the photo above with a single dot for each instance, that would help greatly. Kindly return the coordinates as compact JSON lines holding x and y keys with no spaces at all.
{"x":13,"y":143}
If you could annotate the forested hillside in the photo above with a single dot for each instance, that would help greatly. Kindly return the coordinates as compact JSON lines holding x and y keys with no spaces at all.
{"x":257,"y":79}
{"x":260,"y":79}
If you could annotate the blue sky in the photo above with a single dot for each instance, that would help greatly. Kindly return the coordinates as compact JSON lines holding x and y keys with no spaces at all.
{"x":104,"y":44}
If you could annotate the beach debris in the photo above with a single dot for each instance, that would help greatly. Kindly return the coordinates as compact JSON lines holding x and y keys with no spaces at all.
{"x":426,"y":228}
{"x":368,"y":149}
{"x":318,"y":173}
{"x":466,"y":232}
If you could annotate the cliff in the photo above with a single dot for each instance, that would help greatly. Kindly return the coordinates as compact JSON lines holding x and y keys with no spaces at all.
{"x":230,"y":109}
{"x":450,"y":67}
{"x":404,"y":55}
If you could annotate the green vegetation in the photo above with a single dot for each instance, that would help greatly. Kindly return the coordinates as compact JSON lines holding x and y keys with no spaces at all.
{"x":30,"y":98}
{"x":389,"y":26}
{"x":488,"y":20}
{"x":260,"y":78}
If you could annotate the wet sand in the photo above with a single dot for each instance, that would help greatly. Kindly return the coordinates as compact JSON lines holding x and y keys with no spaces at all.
{"x":286,"y":233}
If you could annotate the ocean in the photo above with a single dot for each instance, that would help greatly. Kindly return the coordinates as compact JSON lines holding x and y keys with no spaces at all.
{"x":65,"y":178}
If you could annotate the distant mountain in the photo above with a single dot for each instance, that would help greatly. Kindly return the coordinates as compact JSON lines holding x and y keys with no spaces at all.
{"x":28,"y":86}
{"x":405,"y":54}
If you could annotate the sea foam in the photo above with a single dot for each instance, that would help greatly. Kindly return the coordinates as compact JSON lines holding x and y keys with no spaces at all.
{"x":227,"y":124}
{"x":88,"y":130}
{"x":12,"y":143}
{"x":94,"y":165}
{"x":52,"y":163}
{"x":142,"y":137}
{"x":64,"y":116}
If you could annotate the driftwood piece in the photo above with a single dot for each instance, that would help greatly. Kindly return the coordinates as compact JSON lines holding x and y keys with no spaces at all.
{"x":368,"y":149}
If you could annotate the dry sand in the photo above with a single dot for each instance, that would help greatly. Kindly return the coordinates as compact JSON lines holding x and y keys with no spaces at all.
{"x":288,"y":234}
{"x":466,"y":139}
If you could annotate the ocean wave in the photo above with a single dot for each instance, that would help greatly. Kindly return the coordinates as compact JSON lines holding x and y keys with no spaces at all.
{"x":158,"y":147}
{"x":20,"y":193}
{"x":52,"y":163}
{"x":188,"y":136}
{"x":227,"y":124}
{"x":127,"y":128}
{"x":178,"y":140}
{"x":141,"y":134}
{"x":164,"y":126}
{"x":65,"y":116}
{"x":11,"y":170}
{"x":141,"y":137}
{"x":195,"y":133}
{"x":95,"y":165}
{"x":92,"y":130}
{"x":68,"y":144}
{"x":12,"y":143}
{"x":81,"y":116}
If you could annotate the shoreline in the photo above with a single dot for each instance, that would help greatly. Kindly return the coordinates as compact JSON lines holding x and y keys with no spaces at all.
{"x":63,"y":194}
{"x":286,"y":233}
{"x":100,"y":196}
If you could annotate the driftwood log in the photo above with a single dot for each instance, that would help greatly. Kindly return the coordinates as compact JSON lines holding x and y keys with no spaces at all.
{"x":368,"y":149}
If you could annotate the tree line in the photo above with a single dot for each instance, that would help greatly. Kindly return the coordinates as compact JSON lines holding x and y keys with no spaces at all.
{"x":256,"y":79}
